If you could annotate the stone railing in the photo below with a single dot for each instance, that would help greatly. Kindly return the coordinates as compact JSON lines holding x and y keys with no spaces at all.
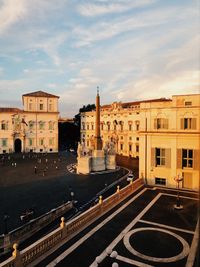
{"x":27,"y":230}
{"x":49,"y":243}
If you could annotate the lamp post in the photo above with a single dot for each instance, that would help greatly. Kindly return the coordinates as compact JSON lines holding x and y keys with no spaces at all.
{"x":178,"y":205}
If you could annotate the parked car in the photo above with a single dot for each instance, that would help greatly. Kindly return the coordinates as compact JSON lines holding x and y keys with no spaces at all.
{"x":130,"y":177}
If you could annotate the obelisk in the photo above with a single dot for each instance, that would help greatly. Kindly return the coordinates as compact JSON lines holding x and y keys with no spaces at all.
{"x":98,"y":157}
{"x":97,"y":138}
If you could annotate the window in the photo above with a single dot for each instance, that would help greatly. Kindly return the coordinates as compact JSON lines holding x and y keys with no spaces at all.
{"x":102,"y":126}
{"x":88,"y":127}
{"x":130,"y":138}
{"x":30,"y":142}
{"x":121,"y":146}
{"x":92,"y":126}
{"x":130,"y":127}
{"x":41,"y":125}
{"x":137,"y":138}
{"x":4,"y":142}
{"x":137,"y":148}
{"x":41,"y":106}
{"x":130,"y":148}
{"x":187,"y":158}
{"x":115,"y":127}
{"x":161,"y":181}
{"x":121,"y":137}
{"x":4,"y":125}
{"x":51,"y":125}
{"x":188,"y":103}
{"x":187,"y":123}
{"x":30,"y":106}
{"x":108,"y":126}
{"x":31,"y":124}
{"x":51,"y":141}
{"x":161,"y":123}
{"x":41,"y":141}
{"x":83,"y":125}
{"x":160,"y":157}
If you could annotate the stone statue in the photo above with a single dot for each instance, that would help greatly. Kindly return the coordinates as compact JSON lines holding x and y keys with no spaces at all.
{"x":111,"y":150}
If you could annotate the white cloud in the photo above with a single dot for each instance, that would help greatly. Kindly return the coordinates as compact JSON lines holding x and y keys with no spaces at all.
{"x":151,"y":18}
{"x":102,"y":8}
{"x":11,"y":11}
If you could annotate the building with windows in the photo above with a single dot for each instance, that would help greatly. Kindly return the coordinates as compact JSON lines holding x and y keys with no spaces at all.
{"x":163,"y":133}
{"x":33,"y":128}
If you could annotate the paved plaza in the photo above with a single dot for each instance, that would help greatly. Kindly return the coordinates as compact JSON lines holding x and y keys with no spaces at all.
{"x":145,"y":230}
{"x":21,"y":188}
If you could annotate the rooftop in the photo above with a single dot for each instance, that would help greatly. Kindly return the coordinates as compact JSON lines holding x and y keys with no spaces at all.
{"x":40,"y":94}
{"x":10,"y":110}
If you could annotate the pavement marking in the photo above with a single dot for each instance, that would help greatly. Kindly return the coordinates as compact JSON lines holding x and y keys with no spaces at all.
{"x":125,"y":230}
{"x":133,"y":262}
{"x":91,"y":232}
{"x":180,"y":256}
{"x":193,"y":248}
{"x":167,"y":226}
{"x":166,"y":194}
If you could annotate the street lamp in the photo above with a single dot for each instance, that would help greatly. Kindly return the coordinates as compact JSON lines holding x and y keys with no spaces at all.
{"x":72,"y":196}
{"x":5,"y":219}
{"x":178,"y":205}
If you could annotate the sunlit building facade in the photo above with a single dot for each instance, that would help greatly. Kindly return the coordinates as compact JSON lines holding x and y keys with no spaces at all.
{"x":163,"y":133}
{"x":33,"y":128}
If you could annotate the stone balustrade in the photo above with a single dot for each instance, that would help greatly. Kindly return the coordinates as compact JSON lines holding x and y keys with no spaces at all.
{"x":45,"y":246}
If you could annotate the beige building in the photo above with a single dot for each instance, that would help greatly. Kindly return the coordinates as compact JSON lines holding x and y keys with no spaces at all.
{"x":163,"y":133}
{"x":33,"y":128}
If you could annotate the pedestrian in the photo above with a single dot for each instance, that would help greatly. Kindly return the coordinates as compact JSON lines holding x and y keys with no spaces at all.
{"x":35,"y":169}
{"x":15,"y":164}
{"x":23,"y":157}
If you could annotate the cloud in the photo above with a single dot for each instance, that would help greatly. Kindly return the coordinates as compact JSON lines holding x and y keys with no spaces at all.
{"x":102,"y":8}
{"x":11,"y":11}
{"x":1,"y":71}
{"x":146,"y":19}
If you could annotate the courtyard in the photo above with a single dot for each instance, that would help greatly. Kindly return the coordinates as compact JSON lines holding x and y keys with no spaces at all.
{"x":21,"y":188}
{"x":144,"y":231}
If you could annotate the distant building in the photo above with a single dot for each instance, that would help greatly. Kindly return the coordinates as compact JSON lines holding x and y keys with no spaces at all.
{"x":33,"y":128}
{"x":163,"y":133}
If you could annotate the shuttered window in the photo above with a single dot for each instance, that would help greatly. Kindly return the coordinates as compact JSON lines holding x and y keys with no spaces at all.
{"x":160,"y":157}
{"x":188,"y":123}
{"x":160,"y":123}
{"x":187,"y":158}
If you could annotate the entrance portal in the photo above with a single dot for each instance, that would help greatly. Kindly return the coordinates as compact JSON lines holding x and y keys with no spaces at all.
{"x":18,"y":146}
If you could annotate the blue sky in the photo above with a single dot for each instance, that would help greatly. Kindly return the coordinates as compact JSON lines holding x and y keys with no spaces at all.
{"x":131,"y":49}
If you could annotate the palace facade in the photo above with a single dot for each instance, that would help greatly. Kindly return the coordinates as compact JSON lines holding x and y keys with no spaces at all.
{"x":163,"y":133}
{"x":33,"y":128}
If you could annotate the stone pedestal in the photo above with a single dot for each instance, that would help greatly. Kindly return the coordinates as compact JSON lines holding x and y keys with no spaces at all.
{"x":84,"y":164}
{"x":98,"y":161}
{"x":110,"y":162}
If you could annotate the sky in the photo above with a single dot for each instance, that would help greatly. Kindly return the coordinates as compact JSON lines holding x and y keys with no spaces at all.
{"x":132,"y":49}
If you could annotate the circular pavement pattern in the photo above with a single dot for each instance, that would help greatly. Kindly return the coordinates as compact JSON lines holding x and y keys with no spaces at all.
{"x":181,"y":255}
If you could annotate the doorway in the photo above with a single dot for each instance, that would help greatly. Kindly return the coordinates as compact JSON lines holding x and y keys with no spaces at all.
{"x":18,"y":146}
